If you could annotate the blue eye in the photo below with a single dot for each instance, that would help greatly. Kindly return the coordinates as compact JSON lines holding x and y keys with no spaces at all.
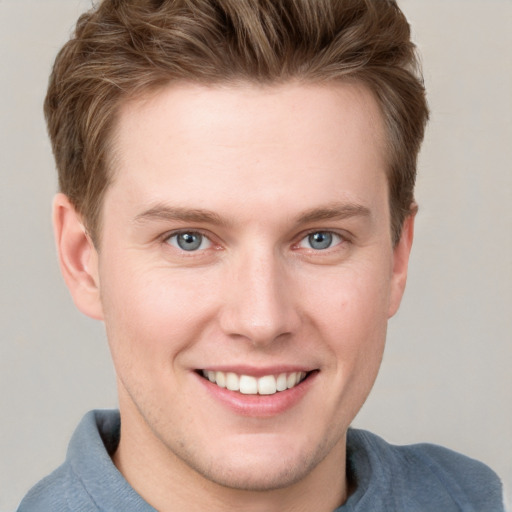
{"x":189,"y":241}
{"x":320,"y":240}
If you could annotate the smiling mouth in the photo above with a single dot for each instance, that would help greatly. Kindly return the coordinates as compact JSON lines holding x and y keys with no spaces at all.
{"x":249,"y":385}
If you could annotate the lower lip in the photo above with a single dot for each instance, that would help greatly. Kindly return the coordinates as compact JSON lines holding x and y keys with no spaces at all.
{"x":260,"y":406}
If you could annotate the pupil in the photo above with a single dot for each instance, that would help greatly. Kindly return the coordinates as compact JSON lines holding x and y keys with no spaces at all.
{"x":189,"y":241}
{"x":320,"y":240}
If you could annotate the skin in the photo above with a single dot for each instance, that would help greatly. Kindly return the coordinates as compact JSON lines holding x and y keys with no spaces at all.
{"x":270,"y":166}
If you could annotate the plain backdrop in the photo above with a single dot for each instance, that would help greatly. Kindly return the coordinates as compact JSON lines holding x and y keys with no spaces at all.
{"x":446,"y":376}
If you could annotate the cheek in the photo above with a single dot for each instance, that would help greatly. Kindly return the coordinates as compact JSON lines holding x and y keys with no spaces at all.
{"x":153,"y":315}
{"x":353,"y":300}
{"x":351,"y":315}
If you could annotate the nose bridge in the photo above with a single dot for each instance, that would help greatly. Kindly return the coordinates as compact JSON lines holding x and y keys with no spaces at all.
{"x":259,"y":303}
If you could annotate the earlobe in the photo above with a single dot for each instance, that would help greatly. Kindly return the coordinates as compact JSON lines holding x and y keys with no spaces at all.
{"x":401,"y":255}
{"x":78,"y":257}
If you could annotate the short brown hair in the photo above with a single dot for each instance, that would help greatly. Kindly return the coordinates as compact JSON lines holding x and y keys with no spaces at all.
{"x":122,"y":48}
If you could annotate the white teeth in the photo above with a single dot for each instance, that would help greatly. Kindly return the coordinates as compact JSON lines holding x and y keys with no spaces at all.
{"x":281,"y":383}
{"x":249,"y":385}
{"x":291,"y":380}
{"x":220,"y":379}
{"x":232,"y":382}
{"x":267,"y":385}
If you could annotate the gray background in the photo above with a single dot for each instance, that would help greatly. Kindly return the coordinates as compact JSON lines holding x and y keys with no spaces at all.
{"x":447,"y":373}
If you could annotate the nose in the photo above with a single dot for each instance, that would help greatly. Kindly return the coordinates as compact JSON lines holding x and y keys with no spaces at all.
{"x":259,"y":301}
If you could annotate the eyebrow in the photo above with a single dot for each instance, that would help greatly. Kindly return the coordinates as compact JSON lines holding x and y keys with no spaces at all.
{"x":176,"y":213}
{"x":334,"y":211}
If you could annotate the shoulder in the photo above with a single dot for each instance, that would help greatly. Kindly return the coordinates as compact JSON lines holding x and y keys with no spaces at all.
{"x":58,"y":492}
{"x":427,"y":473}
{"x":87,"y":467}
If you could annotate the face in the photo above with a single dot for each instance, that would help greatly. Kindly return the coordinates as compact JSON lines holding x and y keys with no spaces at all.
{"x":246,"y":275}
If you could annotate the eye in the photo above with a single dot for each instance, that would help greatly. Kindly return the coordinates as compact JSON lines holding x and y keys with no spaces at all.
{"x":320,"y":240}
{"x":189,"y":241}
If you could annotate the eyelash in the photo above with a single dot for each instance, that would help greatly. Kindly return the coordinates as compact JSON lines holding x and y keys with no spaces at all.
{"x":175,"y":234}
{"x":342,"y":240}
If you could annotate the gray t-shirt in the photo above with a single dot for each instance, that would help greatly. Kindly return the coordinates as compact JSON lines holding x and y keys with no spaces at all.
{"x":416,"y":478}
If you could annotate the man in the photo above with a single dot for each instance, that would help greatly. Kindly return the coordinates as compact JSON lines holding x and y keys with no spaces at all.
{"x":237,"y":206}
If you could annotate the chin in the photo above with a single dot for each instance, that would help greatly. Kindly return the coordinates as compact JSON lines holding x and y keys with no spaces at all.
{"x":257,"y":469}
{"x":257,"y":477}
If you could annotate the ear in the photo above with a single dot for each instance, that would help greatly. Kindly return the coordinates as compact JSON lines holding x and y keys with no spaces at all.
{"x":401,"y":253}
{"x":78,"y":257}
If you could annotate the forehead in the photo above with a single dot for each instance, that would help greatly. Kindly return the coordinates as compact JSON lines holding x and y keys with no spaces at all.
{"x":246,"y":109}
{"x":222,"y":141}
